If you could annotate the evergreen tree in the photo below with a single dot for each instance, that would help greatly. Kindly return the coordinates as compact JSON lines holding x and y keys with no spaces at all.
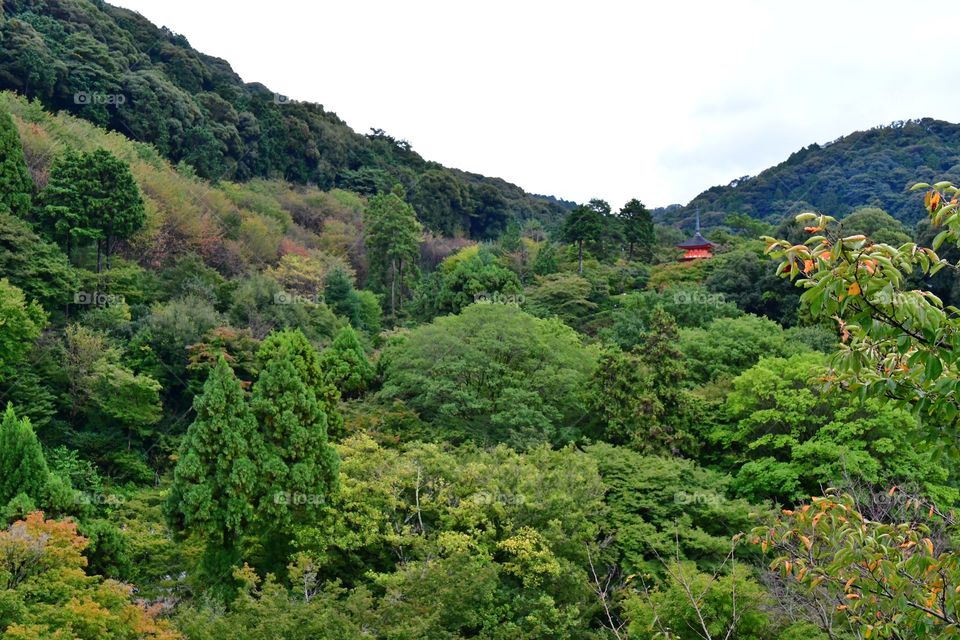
{"x":300,"y":467}
{"x":371,"y":314}
{"x":64,"y":214}
{"x":16,"y":186}
{"x":638,"y":229}
{"x":341,"y":297}
{"x":307,"y":361}
{"x":20,"y":325}
{"x":23,"y":469}
{"x":662,"y":357}
{"x":345,"y":365}
{"x":510,"y":239}
{"x":393,"y":244}
{"x":91,"y":196}
{"x":36,"y":266}
{"x":619,"y":396}
{"x":584,"y":225}
{"x":217,"y":480}
{"x":546,"y":260}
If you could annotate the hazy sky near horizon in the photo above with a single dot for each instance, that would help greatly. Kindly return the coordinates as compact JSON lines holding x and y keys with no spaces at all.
{"x":608,"y":99}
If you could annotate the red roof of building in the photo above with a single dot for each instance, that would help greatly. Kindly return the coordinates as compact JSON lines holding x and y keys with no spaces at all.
{"x":696,"y":242}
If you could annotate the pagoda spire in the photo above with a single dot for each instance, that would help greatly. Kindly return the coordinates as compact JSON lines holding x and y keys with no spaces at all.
{"x":696,"y":247}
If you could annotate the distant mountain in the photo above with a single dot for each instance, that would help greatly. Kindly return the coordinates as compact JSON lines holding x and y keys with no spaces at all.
{"x":874,"y":167}
{"x":113,"y":67}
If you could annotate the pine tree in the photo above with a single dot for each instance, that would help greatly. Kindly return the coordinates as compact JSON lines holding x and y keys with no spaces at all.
{"x":546,"y":260}
{"x":91,"y":197}
{"x":21,"y":323}
{"x":64,"y":215}
{"x":638,"y":229}
{"x":585,"y":224}
{"x":16,"y":186}
{"x":393,"y":244}
{"x":23,"y":469}
{"x":660,"y":354}
{"x":619,"y":396}
{"x":216,"y":482}
{"x":345,"y":364}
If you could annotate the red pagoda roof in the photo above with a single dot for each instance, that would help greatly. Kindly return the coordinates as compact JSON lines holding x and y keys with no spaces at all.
{"x":696,"y":242}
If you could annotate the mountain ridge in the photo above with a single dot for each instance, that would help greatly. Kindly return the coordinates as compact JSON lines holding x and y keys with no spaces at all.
{"x":871,"y":167}
{"x":115,"y":68}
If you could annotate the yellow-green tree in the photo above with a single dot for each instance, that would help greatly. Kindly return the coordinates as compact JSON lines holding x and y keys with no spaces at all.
{"x":47,"y":594}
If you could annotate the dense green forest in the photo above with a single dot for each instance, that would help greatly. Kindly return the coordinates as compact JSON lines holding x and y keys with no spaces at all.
{"x":262,"y":377}
{"x":267,"y":410}
{"x":866,"y":168}
{"x":113,"y":67}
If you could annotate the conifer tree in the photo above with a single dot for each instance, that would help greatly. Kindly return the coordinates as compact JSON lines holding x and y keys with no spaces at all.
{"x":660,"y":354}
{"x":341,"y":297}
{"x":91,"y":196}
{"x":23,"y":469}
{"x":300,"y":468}
{"x":21,"y":323}
{"x":307,"y":361}
{"x":393,"y":244}
{"x":546,"y":260}
{"x":638,"y":230}
{"x":16,"y":186}
{"x":216,"y":482}
{"x":345,"y":364}
{"x":620,"y":398}
{"x":585,"y":225}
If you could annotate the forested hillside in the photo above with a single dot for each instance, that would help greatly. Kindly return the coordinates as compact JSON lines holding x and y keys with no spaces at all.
{"x":266,"y":410}
{"x":114,"y":68}
{"x":264,"y":378}
{"x":866,"y":168}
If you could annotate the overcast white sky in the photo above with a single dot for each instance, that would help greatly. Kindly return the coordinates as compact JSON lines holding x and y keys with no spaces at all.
{"x":609,"y":99}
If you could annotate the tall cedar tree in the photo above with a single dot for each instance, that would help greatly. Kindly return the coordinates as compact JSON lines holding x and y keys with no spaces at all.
{"x":345,"y":365}
{"x":393,"y":244}
{"x":288,"y":402}
{"x":300,"y":467}
{"x":34,"y":265}
{"x":660,"y":354}
{"x":217,"y":480}
{"x":307,"y":361}
{"x":23,"y":469}
{"x":638,"y":229}
{"x":620,"y":398}
{"x":584,"y":224}
{"x":91,"y":197}
{"x":16,"y":186}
